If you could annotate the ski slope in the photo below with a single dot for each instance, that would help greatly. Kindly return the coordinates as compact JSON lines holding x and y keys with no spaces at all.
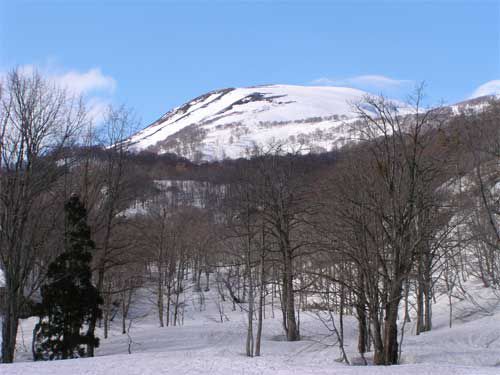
{"x":204,"y":345}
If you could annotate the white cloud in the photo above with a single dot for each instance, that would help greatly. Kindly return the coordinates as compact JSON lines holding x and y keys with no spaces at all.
{"x":367,"y":82}
{"x":96,"y":87}
{"x":323,"y":81}
{"x":83,"y":83}
{"x":379,"y":81}
{"x":488,"y":88}
{"x":96,"y":109}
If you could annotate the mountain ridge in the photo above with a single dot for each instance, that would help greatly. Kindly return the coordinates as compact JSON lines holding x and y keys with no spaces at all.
{"x":233,"y":122}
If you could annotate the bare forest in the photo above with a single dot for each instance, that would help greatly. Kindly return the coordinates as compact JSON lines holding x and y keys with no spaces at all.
{"x":375,"y":231}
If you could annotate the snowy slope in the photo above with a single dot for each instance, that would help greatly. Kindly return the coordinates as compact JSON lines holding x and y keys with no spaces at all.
{"x":474,"y":104}
{"x":204,"y":345}
{"x":230,"y":122}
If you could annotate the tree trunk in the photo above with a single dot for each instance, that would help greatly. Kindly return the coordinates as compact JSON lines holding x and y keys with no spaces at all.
{"x":391,"y":327}
{"x":93,"y":319}
{"x":427,"y":309}
{"x":292,"y":333}
{"x":169,"y":297}
{"x":250,"y":342}
{"x":160,"y":299}
{"x":378,"y":344}
{"x":283,"y":298}
{"x":362,"y":319}
{"x":207,"y":275}
{"x":420,"y":306}
{"x":124,"y":315}
{"x":107,"y":308}
{"x":178,"y":291}
{"x":10,"y":323}
{"x":198,"y":279}
{"x":261,"y":306}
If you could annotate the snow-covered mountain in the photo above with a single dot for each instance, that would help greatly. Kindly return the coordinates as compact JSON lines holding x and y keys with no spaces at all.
{"x":232,"y":122}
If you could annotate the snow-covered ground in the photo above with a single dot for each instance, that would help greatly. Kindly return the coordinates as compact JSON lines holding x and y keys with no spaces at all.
{"x":204,"y":345}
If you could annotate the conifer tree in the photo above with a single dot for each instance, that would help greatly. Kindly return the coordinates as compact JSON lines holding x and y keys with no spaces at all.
{"x":69,"y":300}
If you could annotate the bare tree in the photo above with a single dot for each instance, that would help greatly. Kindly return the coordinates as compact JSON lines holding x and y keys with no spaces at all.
{"x":284,"y":198}
{"x":37,"y":121}
{"x":384,"y":199}
{"x":483,"y":144}
{"x":115,"y":196}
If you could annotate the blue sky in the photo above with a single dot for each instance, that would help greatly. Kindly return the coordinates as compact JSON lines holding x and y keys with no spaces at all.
{"x":153,"y":55}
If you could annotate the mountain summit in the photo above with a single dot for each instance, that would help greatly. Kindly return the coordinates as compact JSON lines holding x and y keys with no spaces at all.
{"x":232,"y":122}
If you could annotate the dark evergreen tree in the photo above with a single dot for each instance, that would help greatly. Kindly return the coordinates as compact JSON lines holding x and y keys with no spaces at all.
{"x":69,"y":299}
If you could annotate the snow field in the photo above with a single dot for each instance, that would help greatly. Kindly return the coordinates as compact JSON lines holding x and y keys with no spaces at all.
{"x":204,"y":345}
